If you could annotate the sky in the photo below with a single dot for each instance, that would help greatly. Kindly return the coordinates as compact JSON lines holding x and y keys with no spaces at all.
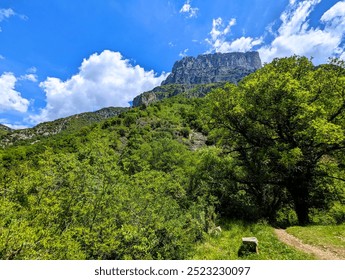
{"x":63,"y":57}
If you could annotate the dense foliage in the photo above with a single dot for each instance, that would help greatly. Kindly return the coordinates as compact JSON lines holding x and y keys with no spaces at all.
{"x":114,"y":191}
{"x":283,"y":129}
{"x":151,"y":182}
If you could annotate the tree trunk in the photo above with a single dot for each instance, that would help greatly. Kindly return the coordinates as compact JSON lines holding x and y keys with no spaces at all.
{"x":299,"y":185}
{"x":302,"y":208}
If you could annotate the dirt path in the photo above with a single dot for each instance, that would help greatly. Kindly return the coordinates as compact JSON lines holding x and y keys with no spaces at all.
{"x":325,"y":253}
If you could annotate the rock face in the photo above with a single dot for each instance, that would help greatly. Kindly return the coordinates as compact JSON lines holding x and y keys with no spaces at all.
{"x":195,"y":77}
{"x":213,"y":68}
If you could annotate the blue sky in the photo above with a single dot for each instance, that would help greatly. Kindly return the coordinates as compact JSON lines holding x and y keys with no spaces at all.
{"x":62,"y":57}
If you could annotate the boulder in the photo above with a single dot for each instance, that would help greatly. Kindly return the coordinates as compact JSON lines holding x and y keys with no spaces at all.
{"x":249,"y":245}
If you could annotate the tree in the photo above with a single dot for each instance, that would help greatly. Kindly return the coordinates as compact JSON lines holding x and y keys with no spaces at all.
{"x":281,"y":124}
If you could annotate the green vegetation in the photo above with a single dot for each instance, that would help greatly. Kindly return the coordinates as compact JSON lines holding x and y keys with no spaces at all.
{"x":170,"y":90}
{"x":224,"y":245}
{"x":323,"y":236}
{"x":283,"y":128}
{"x":60,"y":126}
{"x":4,"y":130}
{"x":153,"y":181}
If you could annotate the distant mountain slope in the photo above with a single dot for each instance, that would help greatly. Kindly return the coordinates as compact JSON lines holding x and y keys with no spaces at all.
{"x":197,"y":76}
{"x":170,"y":90}
{"x":69,"y":124}
{"x":4,"y":130}
{"x":4,"y":127}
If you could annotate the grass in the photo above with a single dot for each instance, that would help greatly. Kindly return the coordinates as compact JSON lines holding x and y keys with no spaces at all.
{"x":226,"y":245}
{"x":322,"y":236}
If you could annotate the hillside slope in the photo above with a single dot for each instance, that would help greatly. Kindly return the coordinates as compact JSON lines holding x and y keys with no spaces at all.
{"x":68,"y":124}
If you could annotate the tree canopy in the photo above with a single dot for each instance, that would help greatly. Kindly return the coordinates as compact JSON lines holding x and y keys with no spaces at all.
{"x":285,"y":127}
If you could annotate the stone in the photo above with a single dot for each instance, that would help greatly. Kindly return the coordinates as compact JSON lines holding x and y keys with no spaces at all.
{"x":213,"y":68}
{"x":249,"y":245}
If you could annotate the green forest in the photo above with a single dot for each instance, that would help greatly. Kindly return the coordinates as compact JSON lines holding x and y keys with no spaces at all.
{"x":157,"y":180}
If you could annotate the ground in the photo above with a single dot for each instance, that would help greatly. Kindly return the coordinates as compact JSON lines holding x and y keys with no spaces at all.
{"x":322,"y":253}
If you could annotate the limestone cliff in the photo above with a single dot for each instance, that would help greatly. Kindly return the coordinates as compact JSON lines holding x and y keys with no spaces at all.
{"x":213,"y":68}
{"x":195,"y":77}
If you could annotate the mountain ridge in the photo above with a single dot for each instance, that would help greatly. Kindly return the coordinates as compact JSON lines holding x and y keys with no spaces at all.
{"x":70,"y":123}
{"x":190,"y":76}
{"x":201,"y":74}
{"x":212,"y":68}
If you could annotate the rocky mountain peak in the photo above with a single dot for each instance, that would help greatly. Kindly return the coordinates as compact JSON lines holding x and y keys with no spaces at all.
{"x":195,"y":77}
{"x":213,"y":68}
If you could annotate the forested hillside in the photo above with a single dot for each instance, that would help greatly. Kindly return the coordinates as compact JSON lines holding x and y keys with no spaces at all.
{"x":64,"y":125}
{"x":153,"y":181}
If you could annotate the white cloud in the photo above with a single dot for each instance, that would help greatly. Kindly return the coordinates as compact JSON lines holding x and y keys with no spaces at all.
{"x":218,"y":38}
{"x":10,"y":99}
{"x":293,"y":36}
{"x":187,"y":9}
{"x":217,"y":24}
{"x":338,"y":10}
{"x":183,"y":53}
{"x":28,"y":77}
{"x":32,"y":70}
{"x":104,"y":80}
{"x":6,"y":13}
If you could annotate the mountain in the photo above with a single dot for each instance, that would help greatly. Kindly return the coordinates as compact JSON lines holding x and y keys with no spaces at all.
{"x":4,"y":127}
{"x":154,"y":182}
{"x":69,"y":124}
{"x":197,"y":76}
{"x":212,"y":68}
{"x":4,"y":130}
{"x":190,"y":77}
{"x":170,"y":90}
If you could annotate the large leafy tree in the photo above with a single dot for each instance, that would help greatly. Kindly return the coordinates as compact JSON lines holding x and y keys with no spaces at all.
{"x":284,"y":125}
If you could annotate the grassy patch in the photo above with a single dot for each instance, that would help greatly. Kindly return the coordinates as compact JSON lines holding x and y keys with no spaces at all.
{"x":329,"y":236}
{"x":226,"y":245}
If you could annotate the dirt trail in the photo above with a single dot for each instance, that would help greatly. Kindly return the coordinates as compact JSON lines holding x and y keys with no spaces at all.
{"x":325,"y":253}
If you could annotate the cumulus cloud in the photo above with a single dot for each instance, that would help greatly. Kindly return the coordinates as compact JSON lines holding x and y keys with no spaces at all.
{"x":218,"y":38}
{"x":10,"y":99}
{"x":188,"y":10}
{"x":296,"y":36}
{"x":103,"y":80}
{"x":293,"y":36}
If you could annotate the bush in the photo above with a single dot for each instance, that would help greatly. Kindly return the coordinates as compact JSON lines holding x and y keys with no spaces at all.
{"x":286,"y":217}
{"x":338,"y":212}
{"x":185,"y":131}
{"x":321,"y":217}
